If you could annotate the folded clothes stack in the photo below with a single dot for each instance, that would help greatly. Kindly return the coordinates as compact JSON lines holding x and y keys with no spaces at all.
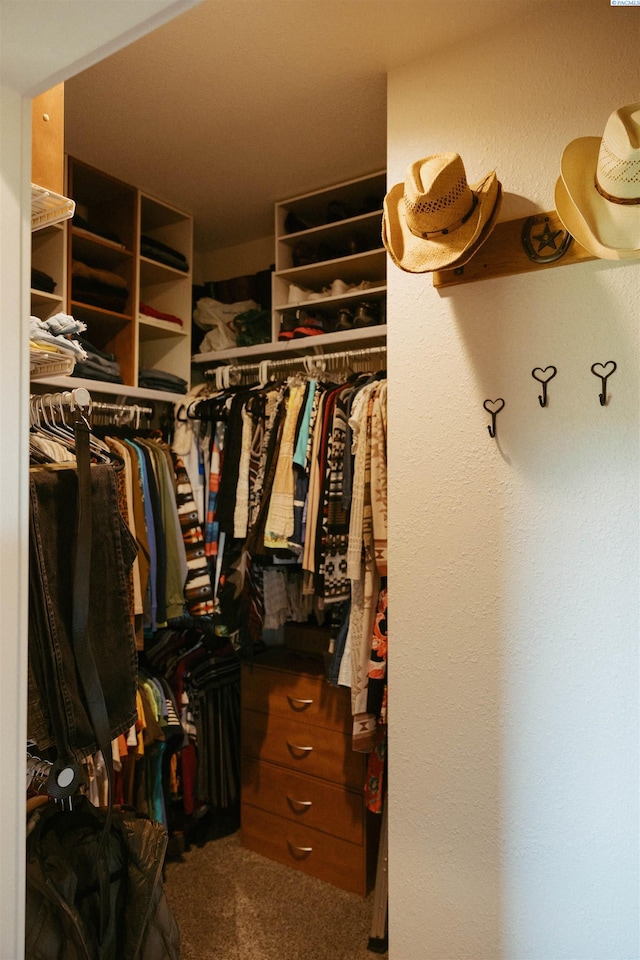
{"x":155,"y":250}
{"x":42,"y":281}
{"x":98,"y":287}
{"x":162,"y":380}
{"x":98,"y":365}
{"x":57,"y":334}
{"x":148,"y":311}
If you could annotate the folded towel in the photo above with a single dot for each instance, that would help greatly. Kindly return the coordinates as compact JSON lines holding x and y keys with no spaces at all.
{"x":158,"y":315}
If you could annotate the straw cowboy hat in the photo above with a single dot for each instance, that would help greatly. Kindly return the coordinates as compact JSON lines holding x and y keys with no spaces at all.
{"x":435,"y":219}
{"x":598,"y":193}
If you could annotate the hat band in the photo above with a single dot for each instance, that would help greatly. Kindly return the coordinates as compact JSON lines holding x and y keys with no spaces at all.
{"x":451,"y":228}
{"x":625,"y":201}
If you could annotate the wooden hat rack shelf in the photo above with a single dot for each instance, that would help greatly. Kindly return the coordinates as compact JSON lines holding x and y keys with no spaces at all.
{"x":527,"y":244}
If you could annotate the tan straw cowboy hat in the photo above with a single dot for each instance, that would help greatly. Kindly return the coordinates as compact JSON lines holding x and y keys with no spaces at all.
{"x":435,"y":219}
{"x":598,"y":194}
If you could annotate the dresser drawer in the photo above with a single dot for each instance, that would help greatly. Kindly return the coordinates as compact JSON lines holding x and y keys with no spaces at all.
{"x":316,"y":853}
{"x":303,"y":747}
{"x":304,"y":800}
{"x":296,"y":695}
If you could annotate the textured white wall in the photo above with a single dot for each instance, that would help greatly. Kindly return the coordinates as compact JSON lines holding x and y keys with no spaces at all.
{"x":514,"y":565}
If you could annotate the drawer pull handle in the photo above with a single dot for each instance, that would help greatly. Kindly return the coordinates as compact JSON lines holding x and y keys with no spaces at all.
{"x":299,"y":852}
{"x":295,"y":749}
{"x":297,"y":804}
{"x":297,"y":703}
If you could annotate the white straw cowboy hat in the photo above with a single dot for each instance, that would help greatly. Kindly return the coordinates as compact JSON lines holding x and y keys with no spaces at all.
{"x":598,"y":194}
{"x":435,"y":219}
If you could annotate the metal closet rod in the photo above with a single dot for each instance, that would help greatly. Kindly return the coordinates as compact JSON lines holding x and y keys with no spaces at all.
{"x":119,"y":409}
{"x":80,"y":397}
{"x":307,"y":360}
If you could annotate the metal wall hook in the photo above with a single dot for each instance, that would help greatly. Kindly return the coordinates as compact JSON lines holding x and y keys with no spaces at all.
{"x":493,"y":407}
{"x":543,"y":377}
{"x":604,"y":371}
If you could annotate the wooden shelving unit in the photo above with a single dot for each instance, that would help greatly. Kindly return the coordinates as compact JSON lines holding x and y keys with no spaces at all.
{"x":116,"y":217}
{"x":333,"y":234}
{"x":348,"y":249}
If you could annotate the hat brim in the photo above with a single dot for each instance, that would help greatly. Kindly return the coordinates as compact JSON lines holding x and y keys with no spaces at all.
{"x":419,"y":255}
{"x":606,"y":229}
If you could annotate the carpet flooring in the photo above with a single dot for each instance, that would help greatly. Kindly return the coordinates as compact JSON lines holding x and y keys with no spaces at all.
{"x":233,"y":904}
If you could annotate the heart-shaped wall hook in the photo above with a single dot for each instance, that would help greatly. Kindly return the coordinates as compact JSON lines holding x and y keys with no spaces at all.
{"x":543,"y":377}
{"x":493,"y":407}
{"x":604,"y":371}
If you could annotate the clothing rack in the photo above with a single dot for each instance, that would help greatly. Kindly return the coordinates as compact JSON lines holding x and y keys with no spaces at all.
{"x":120,"y":414}
{"x":56,"y":402}
{"x":313,"y":364}
{"x":51,"y":405}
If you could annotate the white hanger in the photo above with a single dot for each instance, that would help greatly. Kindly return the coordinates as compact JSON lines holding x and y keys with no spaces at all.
{"x":263,"y":373}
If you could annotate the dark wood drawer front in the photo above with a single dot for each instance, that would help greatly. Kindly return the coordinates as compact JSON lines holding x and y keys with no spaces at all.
{"x":296,"y":696}
{"x":316,"y":853}
{"x":303,"y":747}
{"x":304,"y":800}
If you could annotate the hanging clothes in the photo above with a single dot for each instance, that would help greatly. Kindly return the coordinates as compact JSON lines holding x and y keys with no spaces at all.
{"x":300,"y":519}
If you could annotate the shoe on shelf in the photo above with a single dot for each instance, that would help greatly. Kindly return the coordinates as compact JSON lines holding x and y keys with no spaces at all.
{"x":308,"y":324}
{"x":301,"y":332}
{"x":367,"y":315}
{"x":287,"y":325}
{"x":345,"y":319}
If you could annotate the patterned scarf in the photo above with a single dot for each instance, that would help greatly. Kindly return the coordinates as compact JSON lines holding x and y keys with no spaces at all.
{"x":197,"y":589}
{"x":335,"y":537}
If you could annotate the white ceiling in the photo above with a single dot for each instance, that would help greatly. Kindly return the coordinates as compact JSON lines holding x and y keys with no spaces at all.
{"x":44,"y":42}
{"x":238,"y":103}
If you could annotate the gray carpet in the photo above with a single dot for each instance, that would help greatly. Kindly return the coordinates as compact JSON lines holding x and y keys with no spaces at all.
{"x":233,"y":904}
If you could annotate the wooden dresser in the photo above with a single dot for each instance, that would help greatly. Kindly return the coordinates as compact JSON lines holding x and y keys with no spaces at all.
{"x":302,"y":784}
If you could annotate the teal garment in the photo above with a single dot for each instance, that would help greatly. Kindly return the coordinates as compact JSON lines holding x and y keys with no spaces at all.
{"x":300,"y":454}
{"x":153,"y":754}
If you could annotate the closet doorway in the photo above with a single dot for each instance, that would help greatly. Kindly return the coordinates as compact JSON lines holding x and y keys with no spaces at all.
{"x":308,"y":179}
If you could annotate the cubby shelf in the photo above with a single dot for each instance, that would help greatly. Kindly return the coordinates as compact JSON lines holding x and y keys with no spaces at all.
{"x":326,"y":238}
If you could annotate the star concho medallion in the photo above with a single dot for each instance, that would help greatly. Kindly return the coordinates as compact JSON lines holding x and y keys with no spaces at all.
{"x":536,"y":245}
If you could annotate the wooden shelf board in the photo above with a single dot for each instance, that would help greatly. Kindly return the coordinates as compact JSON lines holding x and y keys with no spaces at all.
{"x":361,"y":295}
{"x":151,"y":327}
{"x":503,"y":254}
{"x":332,"y":227}
{"x":153,"y":271}
{"x":362,"y":337}
{"x":352,"y":264}
{"x":85,"y":310}
{"x":113,"y":389}
{"x":42,"y":296}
